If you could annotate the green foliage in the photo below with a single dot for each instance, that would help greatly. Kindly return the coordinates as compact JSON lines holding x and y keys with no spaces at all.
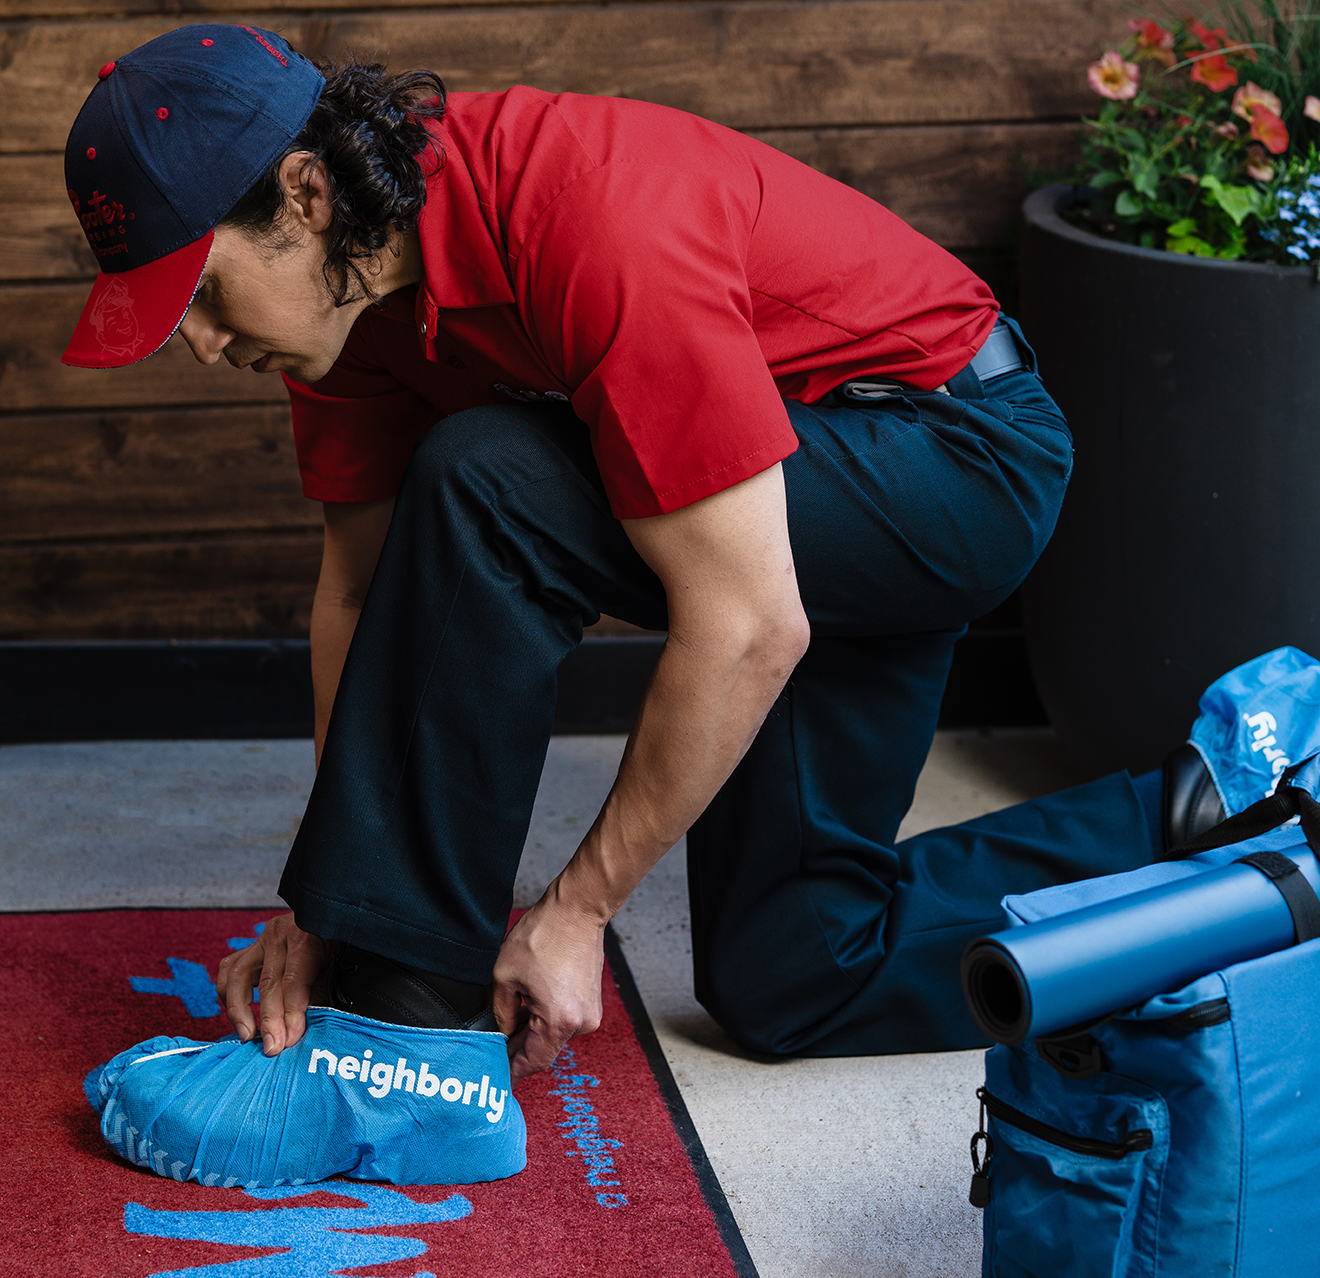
{"x":1200,"y":123}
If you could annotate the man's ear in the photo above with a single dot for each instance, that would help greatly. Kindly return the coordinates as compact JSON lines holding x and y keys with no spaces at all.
{"x":306,"y":193}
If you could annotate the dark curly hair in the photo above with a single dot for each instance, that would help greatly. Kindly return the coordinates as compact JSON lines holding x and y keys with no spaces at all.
{"x":368,"y":128}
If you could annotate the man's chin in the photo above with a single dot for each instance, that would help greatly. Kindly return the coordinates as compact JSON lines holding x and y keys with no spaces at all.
{"x":307,"y":374}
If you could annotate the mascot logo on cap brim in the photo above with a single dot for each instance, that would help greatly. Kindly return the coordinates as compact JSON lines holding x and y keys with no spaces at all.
{"x":114,"y":321}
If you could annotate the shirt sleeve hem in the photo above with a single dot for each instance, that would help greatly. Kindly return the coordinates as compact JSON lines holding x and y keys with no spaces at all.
{"x":707,"y":485}
{"x":323,"y":490}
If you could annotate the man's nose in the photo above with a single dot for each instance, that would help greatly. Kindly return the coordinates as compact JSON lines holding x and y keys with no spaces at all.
{"x":206,"y":338}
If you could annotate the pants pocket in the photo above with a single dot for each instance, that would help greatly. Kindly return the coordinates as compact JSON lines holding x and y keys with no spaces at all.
{"x":1075,"y":1180}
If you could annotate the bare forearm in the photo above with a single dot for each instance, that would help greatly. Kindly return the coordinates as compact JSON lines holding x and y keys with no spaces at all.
{"x":334,"y":619}
{"x":705,"y":703}
{"x":354,"y":534}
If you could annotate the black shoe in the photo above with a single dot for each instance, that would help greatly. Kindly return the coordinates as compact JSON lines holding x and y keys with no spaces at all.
{"x":369,"y":985}
{"x":1191,"y":802}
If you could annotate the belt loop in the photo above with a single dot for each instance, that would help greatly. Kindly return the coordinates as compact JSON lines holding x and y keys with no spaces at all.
{"x":966,"y":385}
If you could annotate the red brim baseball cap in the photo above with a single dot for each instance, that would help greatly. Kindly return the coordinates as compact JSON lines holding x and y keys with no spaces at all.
{"x":133,"y":314}
{"x":169,"y":140}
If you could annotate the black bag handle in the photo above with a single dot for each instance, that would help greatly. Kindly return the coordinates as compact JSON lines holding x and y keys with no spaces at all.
{"x":1286,"y":802}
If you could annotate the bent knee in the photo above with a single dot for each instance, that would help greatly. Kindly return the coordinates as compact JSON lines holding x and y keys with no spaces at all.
{"x":493,"y":449}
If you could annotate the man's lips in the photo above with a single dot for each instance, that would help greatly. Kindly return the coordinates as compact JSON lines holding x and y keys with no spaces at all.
{"x":256,"y":365}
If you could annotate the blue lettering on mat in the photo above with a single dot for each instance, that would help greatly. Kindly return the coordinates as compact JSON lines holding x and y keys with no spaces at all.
{"x":583,"y":1124}
{"x":317,"y":1246}
{"x":190,"y":983}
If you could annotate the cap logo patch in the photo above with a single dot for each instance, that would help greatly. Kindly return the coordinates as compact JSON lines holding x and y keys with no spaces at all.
{"x":101,"y":220}
{"x":266,"y":44}
{"x":114,"y":321}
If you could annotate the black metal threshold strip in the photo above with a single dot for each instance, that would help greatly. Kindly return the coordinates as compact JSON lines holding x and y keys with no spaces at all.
{"x":163,"y":690}
{"x":709,"y":1184}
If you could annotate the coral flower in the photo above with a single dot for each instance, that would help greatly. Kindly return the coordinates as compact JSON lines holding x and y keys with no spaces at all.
{"x":1112,"y":77}
{"x":1312,"y":108}
{"x":1268,"y":128}
{"x":1251,"y":96}
{"x":1258,"y":165}
{"x":1214,"y":72}
{"x":1211,"y":39}
{"x":1153,"y":41}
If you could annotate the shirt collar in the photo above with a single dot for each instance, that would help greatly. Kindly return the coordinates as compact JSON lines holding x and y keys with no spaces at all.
{"x":462,"y":247}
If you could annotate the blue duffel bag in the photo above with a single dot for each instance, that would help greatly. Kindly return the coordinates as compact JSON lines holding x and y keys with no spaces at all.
{"x":1179,"y":1137}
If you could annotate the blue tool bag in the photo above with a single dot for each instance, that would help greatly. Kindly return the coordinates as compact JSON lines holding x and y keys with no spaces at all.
{"x":1179,"y":1137}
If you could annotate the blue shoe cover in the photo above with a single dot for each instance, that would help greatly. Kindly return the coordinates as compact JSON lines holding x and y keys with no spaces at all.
{"x":353,"y":1097}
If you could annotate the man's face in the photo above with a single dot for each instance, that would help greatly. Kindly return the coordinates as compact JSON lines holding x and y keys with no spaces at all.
{"x":267,"y":310}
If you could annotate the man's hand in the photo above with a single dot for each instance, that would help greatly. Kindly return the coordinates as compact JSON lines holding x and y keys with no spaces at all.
{"x":547,"y":981}
{"x":284,"y":963}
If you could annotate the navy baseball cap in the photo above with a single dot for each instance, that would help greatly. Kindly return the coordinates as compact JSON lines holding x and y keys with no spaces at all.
{"x":169,"y":140}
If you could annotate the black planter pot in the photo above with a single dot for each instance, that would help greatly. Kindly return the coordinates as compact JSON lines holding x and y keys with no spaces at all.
{"x":1190,"y":537}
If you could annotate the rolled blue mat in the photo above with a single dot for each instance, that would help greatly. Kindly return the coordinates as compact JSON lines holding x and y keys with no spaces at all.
{"x":1065,"y":971}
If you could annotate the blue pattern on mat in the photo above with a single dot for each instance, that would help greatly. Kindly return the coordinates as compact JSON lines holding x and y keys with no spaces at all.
{"x":317,"y":1247}
{"x":190,"y":983}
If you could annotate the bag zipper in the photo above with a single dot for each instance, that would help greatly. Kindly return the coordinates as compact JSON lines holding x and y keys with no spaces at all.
{"x":1087,"y":1146}
{"x":1202,"y":1016}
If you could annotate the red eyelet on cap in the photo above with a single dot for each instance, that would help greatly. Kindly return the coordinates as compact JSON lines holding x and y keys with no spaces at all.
{"x":163,"y":113}
{"x":91,"y":153}
{"x":208,"y":43}
{"x":105,"y":70}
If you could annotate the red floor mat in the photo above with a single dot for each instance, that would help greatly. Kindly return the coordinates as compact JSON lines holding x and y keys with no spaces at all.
{"x":616,"y":1182}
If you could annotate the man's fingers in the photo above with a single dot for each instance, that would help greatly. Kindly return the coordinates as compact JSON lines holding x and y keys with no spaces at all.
{"x":234,"y":982}
{"x":271,"y":989}
{"x":538,"y":1051}
{"x":507,"y":1004}
{"x":301,"y":969}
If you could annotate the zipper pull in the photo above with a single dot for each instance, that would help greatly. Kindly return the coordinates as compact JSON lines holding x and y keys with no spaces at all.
{"x":979,"y":1196}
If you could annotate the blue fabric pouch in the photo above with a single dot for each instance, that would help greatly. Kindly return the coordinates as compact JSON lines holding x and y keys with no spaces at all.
{"x":1258,"y":719}
{"x":354,"y":1097}
{"x":1177,"y":1138}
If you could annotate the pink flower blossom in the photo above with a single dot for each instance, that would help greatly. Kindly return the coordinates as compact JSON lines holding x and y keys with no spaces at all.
{"x":1258,"y":164}
{"x":1250,"y":96}
{"x":1312,"y":108}
{"x":1153,"y":41}
{"x":1112,"y":77}
{"x":1268,"y":128}
{"x":1214,"y":72}
{"x":1227,"y":130}
{"x":1210,"y":37}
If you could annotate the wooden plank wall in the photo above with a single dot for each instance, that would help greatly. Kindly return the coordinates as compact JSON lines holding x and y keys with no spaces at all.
{"x":161,"y":501}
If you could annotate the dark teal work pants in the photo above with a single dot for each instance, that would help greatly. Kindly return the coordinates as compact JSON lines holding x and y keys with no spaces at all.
{"x":813,"y":931}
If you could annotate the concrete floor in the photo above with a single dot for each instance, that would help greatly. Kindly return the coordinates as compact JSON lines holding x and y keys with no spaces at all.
{"x":834,"y":1168}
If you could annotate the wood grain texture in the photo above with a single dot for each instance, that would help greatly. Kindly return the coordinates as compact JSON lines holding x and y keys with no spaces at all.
{"x":961,"y":184}
{"x":70,"y":476}
{"x":750,"y":65}
{"x":36,"y":322}
{"x":256,"y":587}
{"x":215,"y":10}
{"x":39,"y":235}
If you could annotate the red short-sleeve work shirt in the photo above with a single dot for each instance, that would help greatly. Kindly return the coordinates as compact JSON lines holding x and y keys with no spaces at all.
{"x":672,"y":278}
